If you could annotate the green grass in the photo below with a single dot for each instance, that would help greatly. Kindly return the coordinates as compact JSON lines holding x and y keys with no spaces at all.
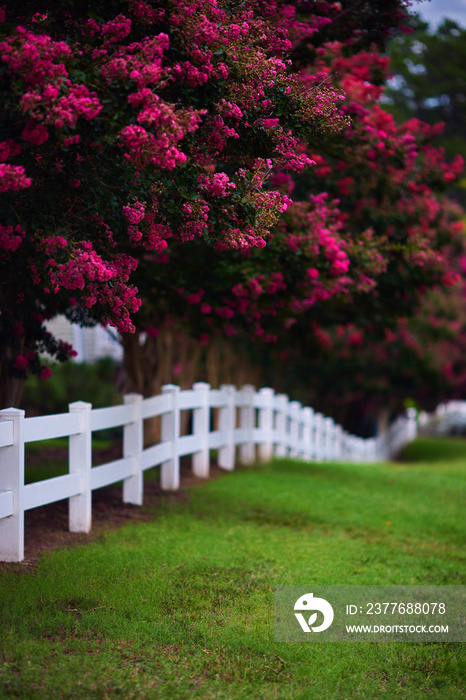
{"x":182,"y":605}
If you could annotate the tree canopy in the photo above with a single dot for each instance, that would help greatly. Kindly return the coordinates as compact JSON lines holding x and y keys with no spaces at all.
{"x":193,"y":171}
{"x":113,"y":127}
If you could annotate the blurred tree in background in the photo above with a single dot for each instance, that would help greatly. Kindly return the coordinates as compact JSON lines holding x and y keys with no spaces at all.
{"x":429,"y":82}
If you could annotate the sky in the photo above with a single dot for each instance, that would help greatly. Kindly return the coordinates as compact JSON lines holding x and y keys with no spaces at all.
{"x":436,"y":10}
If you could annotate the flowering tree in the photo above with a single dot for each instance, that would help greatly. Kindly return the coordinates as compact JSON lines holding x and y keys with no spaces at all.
{"x":362,"y":252}
{"x":226,"y":163}
{"x":250,"y":286}
{"x":202,"y":294}
{"x":362,"y":375}
{"x":127,"y":127}
{"x":390,"y":180}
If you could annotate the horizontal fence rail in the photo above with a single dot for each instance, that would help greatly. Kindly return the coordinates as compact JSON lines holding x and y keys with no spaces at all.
{"x":241,"y":425}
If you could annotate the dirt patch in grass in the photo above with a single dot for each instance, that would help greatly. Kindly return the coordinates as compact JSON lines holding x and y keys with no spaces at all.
{"x":46,"y":527}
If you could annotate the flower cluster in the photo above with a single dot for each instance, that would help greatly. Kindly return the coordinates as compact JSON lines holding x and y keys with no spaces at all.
{"x":9,"y":149}
{"x":35,"y":132}
{"x":140,"y":62}
{"x":10,"y":238}
{"x":218,"y":185}
{"x":116,"y":29}
{"x":46,"y":104}
{"x":87,"y":271}
{"x":33,"y":57}
{"x":135,"y":213}
{"x":13,"y":177}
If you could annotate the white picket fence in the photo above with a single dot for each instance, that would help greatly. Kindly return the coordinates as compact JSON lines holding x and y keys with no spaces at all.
{"x":246,"y":419}
{"x":447,"y":419}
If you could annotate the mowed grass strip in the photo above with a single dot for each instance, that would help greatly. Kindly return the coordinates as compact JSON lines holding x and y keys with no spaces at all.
{"x":182,"y":605}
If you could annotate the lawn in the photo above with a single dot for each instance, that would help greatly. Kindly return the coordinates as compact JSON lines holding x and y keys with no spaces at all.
{"x":181,"y":605}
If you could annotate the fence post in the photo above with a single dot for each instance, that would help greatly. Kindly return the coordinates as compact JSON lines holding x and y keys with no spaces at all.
{"x":280,"y":425}
{"x":357,"y":457}
{"x":133,"y":487}
{"x":306,"y":448}
{"x":247,"y":451}
{"x":423,"y":419}
{"x":80,"y":461}
{"x":338,"y":443}
{"x":347,"y":447}
{"x":319,"y":436}
{"x":265,"y":424}
{"x":226,"y":425}
{"x":343,"y":446}
{"x":378,"y":448}
{"x":329,"y":425}
{"x":335,"y":441}
{"x":12,"y":475}
{"x":201,"y":427}
{"x":295,"y":409}
{"x":170,"y":470}
{"x":412,"y":428}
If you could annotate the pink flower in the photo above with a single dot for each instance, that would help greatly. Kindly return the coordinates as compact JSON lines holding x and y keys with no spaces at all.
{"x":219,"y":185}
{"x":9,"y":149}
{"x":21,"y":362}
{"x":35,"y":132}
{"x":135,"y":213}
{"x":195,"y":297}
{"x":116,"y":29}
{"x":11,"y":238}
{"x":224,"y":312}
{"x":13,"y":177}
{"x":71,"y":139}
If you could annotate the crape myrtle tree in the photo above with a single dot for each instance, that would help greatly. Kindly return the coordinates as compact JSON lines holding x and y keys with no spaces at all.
{"x":390,"y":180}
{"x":360,"y":254}
{"x":164,"y":316}
{"x":406,"y":338}
{"x":364,"y":377}
{"x":220,"y":300}
{"x":169,"y":137}
{"x":398,"y":343}
{"x":127,"y":126}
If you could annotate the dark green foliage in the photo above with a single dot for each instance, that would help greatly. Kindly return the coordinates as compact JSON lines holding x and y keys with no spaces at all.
{"x":430,"y":80}
{"x":95,"y":383}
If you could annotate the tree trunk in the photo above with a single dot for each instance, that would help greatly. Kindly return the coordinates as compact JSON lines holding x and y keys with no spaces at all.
{"x":141,"y":363}
{"x":383,"y":421}
{"x":172,"y":357}
{"x":228,"y":364}
{"x":11,"y":389}
{"x":213,"y":364}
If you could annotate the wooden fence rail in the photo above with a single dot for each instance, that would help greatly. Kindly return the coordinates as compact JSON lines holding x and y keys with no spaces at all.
{"x":251,"y":425}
